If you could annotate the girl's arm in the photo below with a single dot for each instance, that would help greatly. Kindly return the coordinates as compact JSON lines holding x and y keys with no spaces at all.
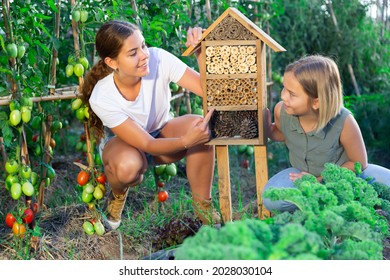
{"x":273,"y":129}
{"x":352,"y":140}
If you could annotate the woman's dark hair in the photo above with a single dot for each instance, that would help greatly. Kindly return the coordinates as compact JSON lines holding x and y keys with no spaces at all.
{"x":109,"y":41}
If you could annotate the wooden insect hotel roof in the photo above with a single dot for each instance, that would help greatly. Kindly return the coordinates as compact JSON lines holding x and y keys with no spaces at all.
{"x":247,"y":23}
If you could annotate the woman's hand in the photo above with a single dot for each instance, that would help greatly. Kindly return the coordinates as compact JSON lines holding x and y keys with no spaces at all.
{"x":194,"y":34}
{"x":199,"y":133}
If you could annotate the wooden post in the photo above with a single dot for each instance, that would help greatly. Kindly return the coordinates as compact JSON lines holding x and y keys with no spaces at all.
{"x":261,"y":170}
{"x":225,"y":199}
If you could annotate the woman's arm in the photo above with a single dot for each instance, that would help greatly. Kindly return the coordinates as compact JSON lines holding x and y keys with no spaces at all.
{"x":191,"y":78}
{"x":134,"y":135}
{"x":352,"y":140}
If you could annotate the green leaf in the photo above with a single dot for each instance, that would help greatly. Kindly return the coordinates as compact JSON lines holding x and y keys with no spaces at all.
{"x":52,"y":5}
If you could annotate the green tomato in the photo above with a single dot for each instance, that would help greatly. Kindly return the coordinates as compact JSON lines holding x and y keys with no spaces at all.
{"x":78,"y":70}
{"x":21,"y":51}
{"x":51,"y":173}
{"x":99,"y":228}
{"x":76,"y":104}
{"x":55,"y":126}
{"x":36,"y":122}
{"x":159,"y":169}
{"x":12,"y":166}
{"x":15,"y":117}
{"x":83,"y":16}
{"x":27,"y":101}
{"x":28,"y":188}
{"x":10,"y":179}
{"x":25,"y":172}
{"x":98,"y":193}
{"x":14,"y":105}
{"x":86,"y":197}
{"x":71,"y":59}
{"x":69,"y":70}
{"x":80,"y":114}
{"x":171,"y":169}
{"x":12,"y":50}
{"x":16,"y":191}
{"x":88,"y":228}
{"x":174,"y":87}
{"x":86,"y":112}
{"x":38,"y":150}
{"x":250,"y":150}
{"x":198,"y":111}
{"x":98,"y":159}
{"x":26,"y":114}
{"x":88,"y":188}
{"x":84,"y":61}
{"x":34,"y":178}
{"x":76,"y":15}
{"x":242,"y":148}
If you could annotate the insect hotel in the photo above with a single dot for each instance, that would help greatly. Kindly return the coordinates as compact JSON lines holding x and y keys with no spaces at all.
{"x":233,"y":75}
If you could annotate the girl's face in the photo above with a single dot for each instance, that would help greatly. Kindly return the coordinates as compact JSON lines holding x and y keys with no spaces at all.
{"x":133,"y":59}
{"x":295,"y":100}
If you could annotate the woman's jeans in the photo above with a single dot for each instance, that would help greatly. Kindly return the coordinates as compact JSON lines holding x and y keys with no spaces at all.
{"x":282,"y":180}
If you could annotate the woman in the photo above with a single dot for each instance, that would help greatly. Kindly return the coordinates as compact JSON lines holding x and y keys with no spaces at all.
{"x":128,"y":92}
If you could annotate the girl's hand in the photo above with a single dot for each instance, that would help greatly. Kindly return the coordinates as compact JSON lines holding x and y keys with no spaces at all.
{"x":294,"y":176}
{"x":194,"y":34}
{"x":200,"y":131}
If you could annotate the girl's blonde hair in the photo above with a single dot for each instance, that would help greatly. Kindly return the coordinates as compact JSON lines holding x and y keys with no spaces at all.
{"x":109,"y":42}
{"x":320,"y":78}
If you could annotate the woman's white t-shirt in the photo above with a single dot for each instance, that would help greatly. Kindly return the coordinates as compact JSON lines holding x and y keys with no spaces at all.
{"x":151,"y":107}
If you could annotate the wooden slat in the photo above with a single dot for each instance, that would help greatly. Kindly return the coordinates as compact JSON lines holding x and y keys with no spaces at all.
{"x":233,"y":108}
{"x":233,"y":141}
{"x":225,"y":199}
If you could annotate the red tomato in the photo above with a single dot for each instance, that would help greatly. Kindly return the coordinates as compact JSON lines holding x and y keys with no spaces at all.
{"x":82,"y":177}
{"x":162,"y":196}
{"x":101,"y":178}
{"x":35,"y":138}
{"x":10,"y":220}
{"x":19,"y":229}
{"x":160,"y":184}
{"x":35,"y":207}
{"x":28,"y":216}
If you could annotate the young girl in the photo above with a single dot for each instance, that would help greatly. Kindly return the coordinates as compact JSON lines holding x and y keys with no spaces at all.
{"x":315,"y":126}
{"x":128,"y":92}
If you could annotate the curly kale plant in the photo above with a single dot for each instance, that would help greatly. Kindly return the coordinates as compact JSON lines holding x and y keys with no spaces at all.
{"x":250,"y":239}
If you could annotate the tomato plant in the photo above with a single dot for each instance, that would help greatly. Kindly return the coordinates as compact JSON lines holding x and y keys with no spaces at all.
{"x":28,"y":216}
{"x":162,"y":196}
{"x":10,"y":220}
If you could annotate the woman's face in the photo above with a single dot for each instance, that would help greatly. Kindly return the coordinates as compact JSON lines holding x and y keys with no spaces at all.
{"x":133,"y":59}
{"x":294,"y":97}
